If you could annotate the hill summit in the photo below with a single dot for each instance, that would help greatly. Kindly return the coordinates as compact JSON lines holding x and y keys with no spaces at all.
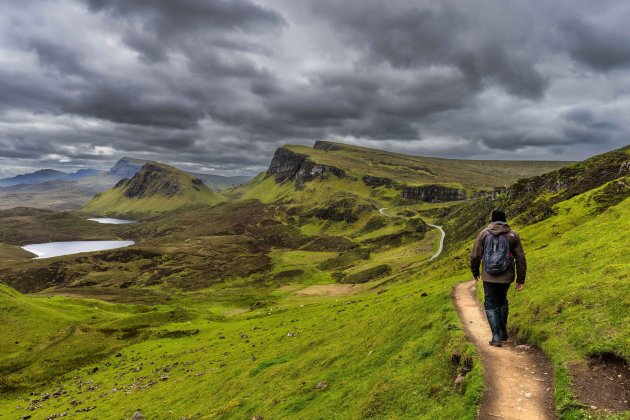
{"x":156,"y":188}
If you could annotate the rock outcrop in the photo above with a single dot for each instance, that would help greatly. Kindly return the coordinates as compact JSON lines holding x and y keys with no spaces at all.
{"x":433,"y":193}
{"x":287,"y":165}
{"x":575,"y":179}
{"x":377,"y":181}
{"x":491,"y":194}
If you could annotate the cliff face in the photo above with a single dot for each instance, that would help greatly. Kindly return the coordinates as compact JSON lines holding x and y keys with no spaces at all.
{"x":433,"y":193}
{"x":377,"y":181}
{"x":287,"y":165}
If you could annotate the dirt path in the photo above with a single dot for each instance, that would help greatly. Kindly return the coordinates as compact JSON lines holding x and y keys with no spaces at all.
{"x":439,"y":251}
{"x":517,"y":378}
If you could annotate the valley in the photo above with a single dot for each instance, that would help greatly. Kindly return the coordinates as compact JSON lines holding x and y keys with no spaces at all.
{"x":320,"y":288}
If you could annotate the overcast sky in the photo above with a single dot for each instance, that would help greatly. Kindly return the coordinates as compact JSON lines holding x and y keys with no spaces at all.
{"x":218,"y":85}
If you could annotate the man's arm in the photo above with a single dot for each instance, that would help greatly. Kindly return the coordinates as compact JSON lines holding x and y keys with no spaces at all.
{"x":477,"y":253}
{"x":521,"y":261}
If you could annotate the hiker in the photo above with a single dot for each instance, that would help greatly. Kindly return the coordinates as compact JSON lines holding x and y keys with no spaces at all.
{"x":498,"y":247}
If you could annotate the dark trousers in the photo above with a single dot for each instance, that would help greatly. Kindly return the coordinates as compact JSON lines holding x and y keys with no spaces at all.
{"x":495,"y":295}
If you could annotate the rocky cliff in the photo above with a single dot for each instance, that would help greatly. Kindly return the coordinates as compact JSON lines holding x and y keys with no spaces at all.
{"x":287,"y":165}
{"x":377,"y":181}
{"x":433,"y":193}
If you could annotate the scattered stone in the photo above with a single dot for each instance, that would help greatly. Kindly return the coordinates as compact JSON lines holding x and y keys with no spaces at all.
{"x":163,"y":377}
{"x":523,"y":347}
{"x":593,"y":407}
{"x":528,"y":395}
{"x":56,"y":416}
{"x":258,"y":418}
{"x":291,"y":334}
{"x":459,"y":379}
{"x":138,"y":415}
{"x":86,"y":409}
{"x":75,"y":402}
{"x":244,"y":336}
{"x":321,"y":385}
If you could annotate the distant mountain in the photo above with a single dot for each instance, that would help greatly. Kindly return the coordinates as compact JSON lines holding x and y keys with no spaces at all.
{"x":126,"y":167}
{"x":43,"y":175}
{"x":82,"y":173}
{"x":156,"y":188}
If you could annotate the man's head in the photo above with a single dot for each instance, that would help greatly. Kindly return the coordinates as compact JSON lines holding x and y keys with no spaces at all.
{"x":498,"y":216}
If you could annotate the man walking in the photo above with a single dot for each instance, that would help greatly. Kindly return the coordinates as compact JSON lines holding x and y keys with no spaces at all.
{"x":498,"y":248}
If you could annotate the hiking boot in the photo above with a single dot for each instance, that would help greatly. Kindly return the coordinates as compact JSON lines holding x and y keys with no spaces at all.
{"x":503,"y":317}
{"x":495,"y":326}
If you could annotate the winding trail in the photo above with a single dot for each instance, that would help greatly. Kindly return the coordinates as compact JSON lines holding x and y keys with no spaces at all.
{"x":517,"y":378}
{"x":437,"y":254}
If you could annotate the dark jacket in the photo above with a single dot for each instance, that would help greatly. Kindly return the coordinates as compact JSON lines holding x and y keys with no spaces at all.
{"x":516,"y":248}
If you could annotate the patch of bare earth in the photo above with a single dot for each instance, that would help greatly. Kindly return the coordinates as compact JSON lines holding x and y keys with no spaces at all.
{"x":330,"y":290}
{"x":517,"y":378}
{"x":602,"y":384}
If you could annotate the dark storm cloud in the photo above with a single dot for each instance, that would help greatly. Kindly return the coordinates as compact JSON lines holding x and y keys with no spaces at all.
{"x":155,"y":28}
{"x":218,"y":84}
{"x":598,"y":47}
{"x":408,"y":37}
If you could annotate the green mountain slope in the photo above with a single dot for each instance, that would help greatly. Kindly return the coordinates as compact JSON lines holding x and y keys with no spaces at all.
{"x":157,"y":188}
{"x":336,"y":310}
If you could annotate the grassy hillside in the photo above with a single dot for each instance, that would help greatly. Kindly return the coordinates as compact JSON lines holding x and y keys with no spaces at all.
{"x":387,"y":351}
{"x":157,"y":188}
{"x":407,"y":169}
{"x":309,"y":302}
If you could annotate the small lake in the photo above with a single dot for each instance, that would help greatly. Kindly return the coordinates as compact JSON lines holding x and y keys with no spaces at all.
{"x":55,"y":249}
{"x":111,"y":221}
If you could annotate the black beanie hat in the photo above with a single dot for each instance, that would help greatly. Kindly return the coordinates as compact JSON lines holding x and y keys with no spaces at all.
{"x":498,"y":216}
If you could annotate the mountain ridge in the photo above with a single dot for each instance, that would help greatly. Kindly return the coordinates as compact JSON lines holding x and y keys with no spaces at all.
{"x":156,"y":188}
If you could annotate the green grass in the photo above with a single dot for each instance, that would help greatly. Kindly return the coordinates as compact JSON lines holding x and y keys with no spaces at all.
{"x":574,"y":305}
{"x":577,"y":305}
{"x":378,"y":356}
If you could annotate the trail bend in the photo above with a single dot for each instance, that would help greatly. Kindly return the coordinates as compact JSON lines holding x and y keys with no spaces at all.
{"x":439,"y":251}
{"x":517,"y":378}
{"x":440,"y":248}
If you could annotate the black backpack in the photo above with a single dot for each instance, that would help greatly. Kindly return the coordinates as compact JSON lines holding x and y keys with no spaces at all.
{"x":497,"y":258}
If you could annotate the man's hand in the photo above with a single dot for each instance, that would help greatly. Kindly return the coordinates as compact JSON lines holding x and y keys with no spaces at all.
{"x":519,"y":287}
